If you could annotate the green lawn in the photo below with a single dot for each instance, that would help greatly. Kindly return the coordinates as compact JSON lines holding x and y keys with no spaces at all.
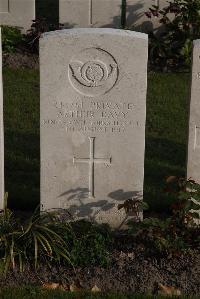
{"x":36,"y":293}
{"x":21,"y":114}
{"x":166,"y":135}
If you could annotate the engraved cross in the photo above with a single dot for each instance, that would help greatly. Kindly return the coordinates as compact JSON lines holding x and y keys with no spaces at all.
{"x":92,"y":161}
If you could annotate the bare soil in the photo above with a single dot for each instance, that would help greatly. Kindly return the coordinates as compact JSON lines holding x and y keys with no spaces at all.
{"x":130,"y":271}
{"x":21,"y":60}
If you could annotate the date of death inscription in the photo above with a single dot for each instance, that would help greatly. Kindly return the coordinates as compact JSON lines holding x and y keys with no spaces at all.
{"x":92,"y":116}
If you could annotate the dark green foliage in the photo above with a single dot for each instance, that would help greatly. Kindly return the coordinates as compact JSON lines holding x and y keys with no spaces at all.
{"x":89,"y":244}
{"x":45,"y":238}
{"x":173,"y":47}
{"x":38,"y":239}
{"x":11,"y":38}
{"x":38,"y":27}
{"x":133,"y":207}
{"x":178,"y":232}
{"x":187,"y":199}
{"x":165,"y":236}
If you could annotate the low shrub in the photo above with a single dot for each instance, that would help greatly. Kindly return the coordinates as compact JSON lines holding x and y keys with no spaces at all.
{"x":11,"y":38}
{"x":38,"y":27}
{"x":45,"y":238}
{"x":173,"y":47}
{"x":36,"y":240}
{"x":89,"y":244}
{"x":181,"y":231}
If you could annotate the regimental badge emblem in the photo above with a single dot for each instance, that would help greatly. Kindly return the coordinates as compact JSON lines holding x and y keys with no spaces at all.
{"x":93,"y":72}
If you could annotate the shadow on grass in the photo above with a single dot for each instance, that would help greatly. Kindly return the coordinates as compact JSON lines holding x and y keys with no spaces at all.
{"x":163,"y":158}
{"x":22,"y":169}
{"x":166,"y":137}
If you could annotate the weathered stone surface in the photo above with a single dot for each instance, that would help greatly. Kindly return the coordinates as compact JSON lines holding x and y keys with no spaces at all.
{"x":90,"y":13}
{"x":19,"y":13}
{"x":93,"y":107}
{"x":135,"y":14}
{"x":193,"y":169}
{"x":193,"y":163}
{"x":1,"y":132}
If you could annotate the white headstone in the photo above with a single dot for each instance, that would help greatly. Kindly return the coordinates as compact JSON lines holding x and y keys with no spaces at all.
{"x":193,"y":163}
{"x":1,"y":133}
{"x":19,"y":13}
{"x":90,"y":13}
{"x":93,"y":108}
{"x":193,"y":167}
{"x":135,"y":14}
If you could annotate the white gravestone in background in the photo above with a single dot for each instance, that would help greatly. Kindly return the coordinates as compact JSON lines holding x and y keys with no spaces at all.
{"x":93,"y":108}
{"x":1,"y":132}
{"x":19,"y":13}
{"x":90,"y":13}
{"x":193,"y":163}
{"x":135,"y":14}
{"x":193,"y":168}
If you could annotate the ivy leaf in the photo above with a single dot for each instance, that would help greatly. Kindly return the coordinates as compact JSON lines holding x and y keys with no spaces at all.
{"x":195,"y":215}
{"x":184,"y":195}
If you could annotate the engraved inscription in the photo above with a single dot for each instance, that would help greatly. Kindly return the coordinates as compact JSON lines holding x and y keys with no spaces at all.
{"x":92,"y":161}
{"x":197,"y":138}
{"x":93,"y":116}
{"x":4,"y":6}
{"x":93,"y":72}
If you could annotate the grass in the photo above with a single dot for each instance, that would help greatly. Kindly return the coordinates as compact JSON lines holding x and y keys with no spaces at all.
{"x":32,"y":293}
{"x":21,"y":115}
{"x":166,"y":135}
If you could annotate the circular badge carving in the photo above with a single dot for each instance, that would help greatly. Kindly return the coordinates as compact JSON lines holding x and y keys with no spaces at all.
{"x":93,"y":72}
